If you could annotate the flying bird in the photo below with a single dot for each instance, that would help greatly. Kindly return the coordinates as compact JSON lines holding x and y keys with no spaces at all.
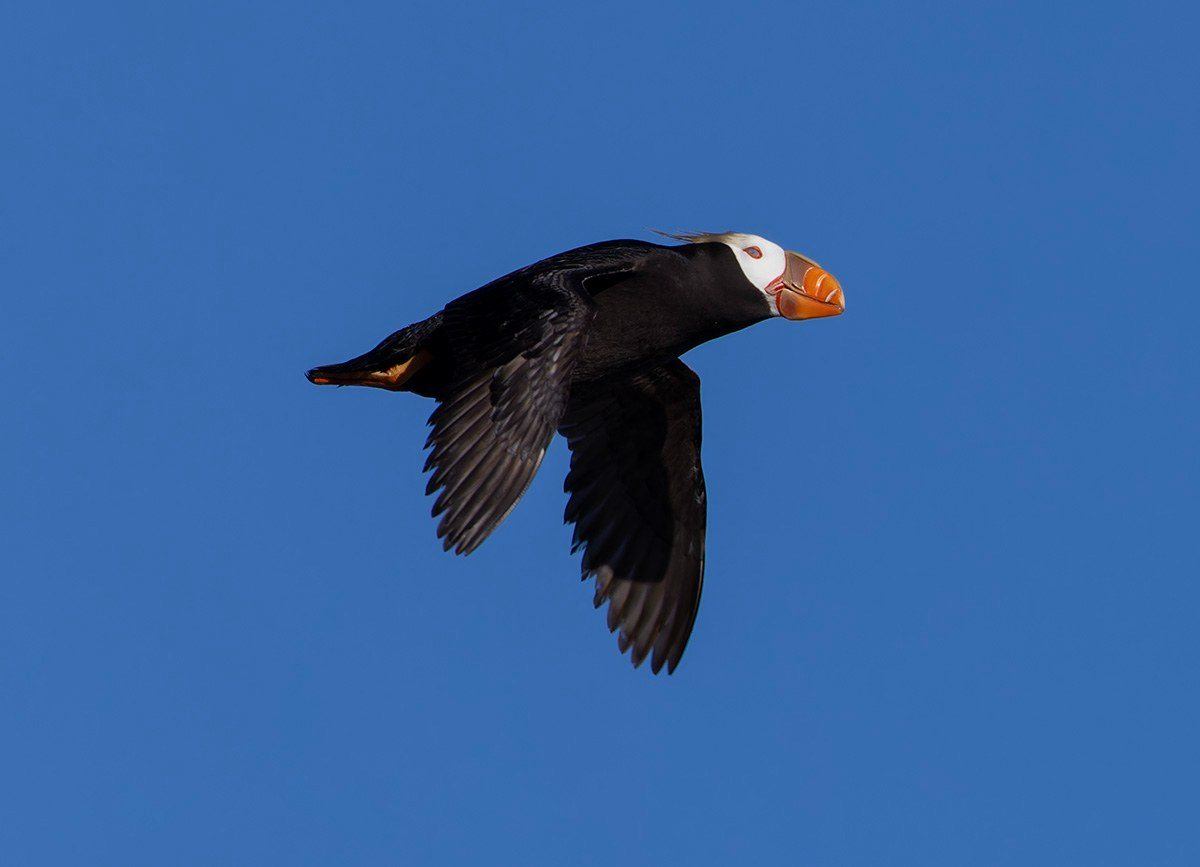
{"x":587,"y":343}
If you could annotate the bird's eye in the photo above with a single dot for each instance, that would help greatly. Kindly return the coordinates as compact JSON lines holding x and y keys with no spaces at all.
{"x":752,"y":252}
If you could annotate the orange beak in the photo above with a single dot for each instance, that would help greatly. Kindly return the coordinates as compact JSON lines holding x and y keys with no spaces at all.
{"x":807,"y":291}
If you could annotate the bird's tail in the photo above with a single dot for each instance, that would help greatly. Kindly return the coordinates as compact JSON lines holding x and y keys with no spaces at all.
{"x":390,"y":365}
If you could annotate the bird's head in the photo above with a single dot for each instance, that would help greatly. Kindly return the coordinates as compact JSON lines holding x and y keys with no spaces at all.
{"x":795,"y":286}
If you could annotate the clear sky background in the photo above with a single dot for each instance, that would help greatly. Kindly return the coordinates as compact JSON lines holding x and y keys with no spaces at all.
{"x":951,"y":608}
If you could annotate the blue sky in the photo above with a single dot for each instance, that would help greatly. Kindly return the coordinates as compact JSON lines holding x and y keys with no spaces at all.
{"x":950,"y":615}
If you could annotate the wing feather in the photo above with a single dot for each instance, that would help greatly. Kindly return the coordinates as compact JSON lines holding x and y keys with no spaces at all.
{"x":638,"y":504}
{"x":515,"y":344}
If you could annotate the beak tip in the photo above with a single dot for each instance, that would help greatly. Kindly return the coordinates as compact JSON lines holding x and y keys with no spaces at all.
{"x":817,"y":296}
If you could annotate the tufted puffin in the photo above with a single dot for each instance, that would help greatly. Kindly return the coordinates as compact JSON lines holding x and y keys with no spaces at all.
{"x":587,"y":343}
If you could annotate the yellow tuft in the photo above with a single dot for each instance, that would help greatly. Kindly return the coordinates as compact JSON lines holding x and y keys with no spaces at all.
{"x":702,"y":237}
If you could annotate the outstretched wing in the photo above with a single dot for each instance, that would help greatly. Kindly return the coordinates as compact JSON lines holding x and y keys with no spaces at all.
{"x":514,"y":344}
{"x":638,"y":504}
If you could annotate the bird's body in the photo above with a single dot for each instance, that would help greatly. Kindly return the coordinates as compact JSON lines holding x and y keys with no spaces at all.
{"x":588,"y":343}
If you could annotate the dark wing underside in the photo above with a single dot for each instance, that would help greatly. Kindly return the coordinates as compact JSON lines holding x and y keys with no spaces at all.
{"x":491,"y":428}
{"x":638,"y":504}
{"x":513,"y":346}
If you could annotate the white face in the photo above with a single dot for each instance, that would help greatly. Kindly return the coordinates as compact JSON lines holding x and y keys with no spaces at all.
{"x":761,"y":260}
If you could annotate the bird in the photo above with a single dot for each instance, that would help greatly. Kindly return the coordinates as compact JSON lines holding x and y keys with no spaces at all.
{"x":587,"y":344}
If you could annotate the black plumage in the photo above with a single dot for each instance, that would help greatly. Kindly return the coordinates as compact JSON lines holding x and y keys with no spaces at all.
{"x":585,"y":343}
{"x":638,"y":504}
